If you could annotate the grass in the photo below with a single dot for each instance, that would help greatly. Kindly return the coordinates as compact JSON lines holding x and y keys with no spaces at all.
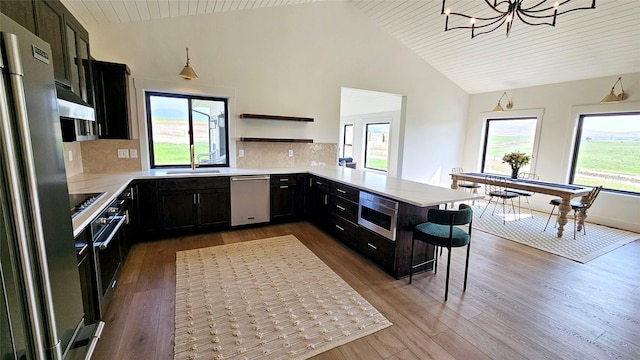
{"x":616,"y":156}
{"x":166,"y":153}
{"x":377,"y":164}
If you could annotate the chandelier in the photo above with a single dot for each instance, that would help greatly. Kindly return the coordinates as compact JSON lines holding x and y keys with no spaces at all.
{"x":530,"y":12}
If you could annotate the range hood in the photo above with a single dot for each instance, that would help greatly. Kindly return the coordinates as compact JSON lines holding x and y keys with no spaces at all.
{"x":77,"y":118}
{"x":71,"y":106}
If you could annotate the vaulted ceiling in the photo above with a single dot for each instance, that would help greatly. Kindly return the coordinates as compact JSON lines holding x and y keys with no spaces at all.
{"x":584,"y":44}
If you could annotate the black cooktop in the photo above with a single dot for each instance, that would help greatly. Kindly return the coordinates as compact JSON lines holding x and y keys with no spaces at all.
{"x":79,"y":202}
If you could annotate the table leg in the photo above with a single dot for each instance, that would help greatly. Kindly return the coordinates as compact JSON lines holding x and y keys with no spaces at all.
{"x":454,"y":182}
{"x":582,"y":214}
{"x":564,"y":209}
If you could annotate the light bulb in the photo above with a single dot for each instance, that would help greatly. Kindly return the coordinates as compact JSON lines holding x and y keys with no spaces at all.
{"x":472,"y":21}
{"x":447,"y":12}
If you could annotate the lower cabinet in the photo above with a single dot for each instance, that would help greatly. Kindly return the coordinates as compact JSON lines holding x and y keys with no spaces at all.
{"x":318,"y":201}
{"x":379,"y":249}
{"x":145,"y":215}
{"x":194,"y":203}
{"x":287,"y":197}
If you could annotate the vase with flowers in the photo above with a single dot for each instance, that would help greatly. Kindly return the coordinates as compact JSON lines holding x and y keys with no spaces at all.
{"x":516,"y":160}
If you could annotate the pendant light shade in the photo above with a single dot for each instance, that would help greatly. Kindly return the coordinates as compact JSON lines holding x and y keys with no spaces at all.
{"x":188,"y":72}
{"x":499,"y":107}
{"x":612,"y":97}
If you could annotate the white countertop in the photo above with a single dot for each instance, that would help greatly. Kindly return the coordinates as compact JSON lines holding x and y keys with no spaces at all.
{"x":410,"y":192}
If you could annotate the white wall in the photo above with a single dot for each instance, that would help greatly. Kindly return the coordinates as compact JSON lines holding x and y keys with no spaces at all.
{"x":293,"y":60}
{"x":561,"y":104}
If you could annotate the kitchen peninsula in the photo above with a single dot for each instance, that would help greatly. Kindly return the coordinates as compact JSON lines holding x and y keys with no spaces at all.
{"x":332,"y":199}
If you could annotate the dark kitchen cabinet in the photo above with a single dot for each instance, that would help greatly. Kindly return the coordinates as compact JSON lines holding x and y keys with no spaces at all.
{"x":86,"y":270}
{"x":343,"y":210}
{"x":69,"y":41}
{"x":145,"y":208}
{"x":318,"y":201}
{"x":22,"y":12}
{"x":50,"y":27}
{"x":178,"y":210}
{"x":111,"y":90}
{"x":191,"y":203}
{"x":213,"y":207}
{"x":287,"y":197}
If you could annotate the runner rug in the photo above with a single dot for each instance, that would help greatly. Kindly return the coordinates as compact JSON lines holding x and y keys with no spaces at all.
{"x":264,"y":299}
{"x":528,"y":230}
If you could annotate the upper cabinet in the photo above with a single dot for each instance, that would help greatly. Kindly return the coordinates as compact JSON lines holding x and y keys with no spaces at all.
{"x":69,"y":41}
{"x":111,"y":89}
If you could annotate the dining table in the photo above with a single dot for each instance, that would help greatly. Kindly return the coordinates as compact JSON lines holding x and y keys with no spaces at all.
{"x":564,"y":191}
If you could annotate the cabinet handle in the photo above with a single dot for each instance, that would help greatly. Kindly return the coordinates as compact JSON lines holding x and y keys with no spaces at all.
{"x":341,"y":191}
{"x":198,"y":198}
{"x":318,"y":183}
{"x":285,"y":179}
{"x":341,"y":207}
{"x":372,"y":246}
{"x":326,"y":198}
{"x":194,"y":199}
{"x":284,"y":186}
{"x":339,"y":228}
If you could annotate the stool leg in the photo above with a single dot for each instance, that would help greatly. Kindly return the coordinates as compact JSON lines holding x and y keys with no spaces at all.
{"x":435,"y":259}
{"x":549,"y":219}
{"x":413,"y":242}
{"x":446,"y":286}
{"x":466,"y":266}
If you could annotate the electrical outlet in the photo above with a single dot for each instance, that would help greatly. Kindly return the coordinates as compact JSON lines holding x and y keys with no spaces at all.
{"x":290,"y":153}
{"x":133,"y":153}
{"x":123,"y":153}
{"x":241,"y":153}
{"x":70,"y":155}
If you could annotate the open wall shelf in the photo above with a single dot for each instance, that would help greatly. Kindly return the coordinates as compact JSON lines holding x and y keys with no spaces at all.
{"x":275,"y":117}
{"x":251,"y":139}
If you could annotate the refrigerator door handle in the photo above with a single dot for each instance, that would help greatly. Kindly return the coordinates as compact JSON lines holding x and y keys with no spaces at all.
{"x":33,"y":228}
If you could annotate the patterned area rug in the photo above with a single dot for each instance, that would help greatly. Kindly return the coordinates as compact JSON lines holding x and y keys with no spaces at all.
{"x":528,"y":230}
{"x":264,"y":299}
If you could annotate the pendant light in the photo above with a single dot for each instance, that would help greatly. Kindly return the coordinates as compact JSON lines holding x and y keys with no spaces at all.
{"x":499,"y":107}
{"x":188,"y":72}
{"x":612,"y":97}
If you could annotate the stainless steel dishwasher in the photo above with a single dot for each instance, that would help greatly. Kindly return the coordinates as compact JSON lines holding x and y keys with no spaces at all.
{"x":249,"y":199}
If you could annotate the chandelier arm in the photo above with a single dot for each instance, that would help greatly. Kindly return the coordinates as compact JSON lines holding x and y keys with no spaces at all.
{"x":533,"y":7}
{"x":479,"y":18}
{"x":474,"y":34}
{"x":494,"y":21}
{"x":532,"y":23}
{"x":533,"y":10}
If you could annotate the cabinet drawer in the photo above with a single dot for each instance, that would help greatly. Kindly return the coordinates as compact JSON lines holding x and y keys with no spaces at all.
{"x":286,"y":179}
{"x":345,"y":191}
{"x":192,"y":184}
{"x":342,"y":229}
{"x":379,"y":249}
{"x":344,"y":208}
{"x":320,"y":183}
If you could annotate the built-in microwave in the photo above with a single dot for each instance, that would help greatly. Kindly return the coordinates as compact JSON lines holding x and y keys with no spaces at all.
{"x":378,"y":214}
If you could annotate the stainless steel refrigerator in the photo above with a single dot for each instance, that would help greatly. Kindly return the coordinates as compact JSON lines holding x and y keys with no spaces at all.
{"x":41,"y":308}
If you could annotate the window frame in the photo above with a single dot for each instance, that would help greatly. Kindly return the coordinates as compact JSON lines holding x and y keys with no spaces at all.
{"x":344,"y":138}
{"x":576,"y":148}
{"x":189,"y":97}
{"x":366,"y":141}
{"x":515,"y":115}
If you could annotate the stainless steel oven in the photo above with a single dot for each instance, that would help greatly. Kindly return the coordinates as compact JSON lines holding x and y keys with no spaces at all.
{"x":108,"y":246}
{"x":378,"y":214}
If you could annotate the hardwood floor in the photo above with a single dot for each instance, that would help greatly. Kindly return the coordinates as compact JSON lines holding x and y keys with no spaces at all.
{"x":520,"y":303}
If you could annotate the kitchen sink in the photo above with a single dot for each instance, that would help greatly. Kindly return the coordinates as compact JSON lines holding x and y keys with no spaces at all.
{"x":195,"y":171}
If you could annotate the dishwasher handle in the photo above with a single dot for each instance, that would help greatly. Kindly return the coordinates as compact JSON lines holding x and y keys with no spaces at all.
{"x":250,"y":177}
